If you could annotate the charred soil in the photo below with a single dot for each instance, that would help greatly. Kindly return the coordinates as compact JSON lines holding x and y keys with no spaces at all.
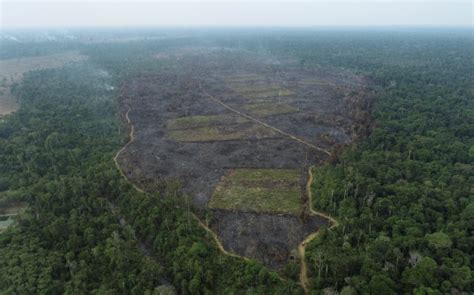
{"x":193,"y":125}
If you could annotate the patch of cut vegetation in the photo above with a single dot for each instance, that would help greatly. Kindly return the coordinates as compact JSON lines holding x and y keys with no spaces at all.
{"x":243,"y":78}
{"x":268,"y":93}
{"x":315,"y":82}
{"x":268,"y":109}
{"x":201,"y":121}
{"x":246,"y":88}
{"x":223,"y":133}
{"x":260,"y":91}
{"x":259,"y":190}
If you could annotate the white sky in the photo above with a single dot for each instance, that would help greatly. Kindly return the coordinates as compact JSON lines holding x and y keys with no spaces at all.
{"x":235,"y":13}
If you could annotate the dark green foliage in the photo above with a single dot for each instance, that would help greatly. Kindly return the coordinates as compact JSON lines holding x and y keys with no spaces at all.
{"x":403,"y":196}
{"x":56,"y":154}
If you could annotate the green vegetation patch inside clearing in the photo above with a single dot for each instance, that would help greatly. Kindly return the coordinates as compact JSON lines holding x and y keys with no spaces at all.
{"x":243,"y":78}
{"x":310,"y":81}
{"x":268,"y":109}
{"x":201,"y":121}
{"x":223,"y":133}
{"x":259,"y":190}
{"x":261,"y":91}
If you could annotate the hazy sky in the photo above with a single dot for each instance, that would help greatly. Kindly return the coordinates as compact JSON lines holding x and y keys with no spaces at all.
{"x":235,"y":13}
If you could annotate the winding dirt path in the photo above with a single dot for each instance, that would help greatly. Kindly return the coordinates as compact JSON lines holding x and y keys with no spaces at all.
{"x":216,"y":239}
{"x":302,"y":246}
{"x":205,"y":227}
{"x":131,"y":137}
{"x":304,"y":282}
{"x":143,"y":247}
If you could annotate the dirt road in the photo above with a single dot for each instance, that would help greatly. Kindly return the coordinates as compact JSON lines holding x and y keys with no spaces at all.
{"x":263,"y":123}
{"x":302,"y":247}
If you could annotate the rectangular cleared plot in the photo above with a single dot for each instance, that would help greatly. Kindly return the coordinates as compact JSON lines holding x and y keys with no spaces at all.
{"x":268,"y":109}
{"x":242,"y":78}
{"x":267,"y":93}
{"x":259,"y":190}
{"x":201,"y":121}
{"x":223,"y":133}
{"x":316,"y":82}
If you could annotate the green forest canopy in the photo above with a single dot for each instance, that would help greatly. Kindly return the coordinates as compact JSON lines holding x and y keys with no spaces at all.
{"x":403,"y":196}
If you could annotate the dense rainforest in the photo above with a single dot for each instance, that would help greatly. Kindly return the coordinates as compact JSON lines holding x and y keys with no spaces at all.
{"x":403,"y":195}
{"x":56,"y":154}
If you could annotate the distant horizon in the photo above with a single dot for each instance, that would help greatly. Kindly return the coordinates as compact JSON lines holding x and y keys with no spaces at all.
{"x":349,"y":27}
{"x":264,"y":14}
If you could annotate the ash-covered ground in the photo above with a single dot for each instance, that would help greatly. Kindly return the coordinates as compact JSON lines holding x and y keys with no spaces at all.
{"x":322,"y":107}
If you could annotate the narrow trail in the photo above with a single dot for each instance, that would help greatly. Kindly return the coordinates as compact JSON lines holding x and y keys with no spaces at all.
{"x":113,"y":208}
{"x":304,"y":281}
{"x":221,"y":248}
{"x":333,"y":221}
{"x":131,"y":137}
{"x":216,"y":239}
{"x":204,"y":226}
{"x":263,"y":123}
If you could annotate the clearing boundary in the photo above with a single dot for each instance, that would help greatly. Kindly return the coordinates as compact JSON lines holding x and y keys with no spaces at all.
{"x":304,"y":282}
{"x":302,"y":247}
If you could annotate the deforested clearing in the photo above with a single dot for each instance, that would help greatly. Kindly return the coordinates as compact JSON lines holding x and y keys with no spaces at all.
{"x":240,"y":141}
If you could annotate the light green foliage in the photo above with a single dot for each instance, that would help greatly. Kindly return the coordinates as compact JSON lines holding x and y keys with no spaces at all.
{"x":411,"y":177}
{"x":259,"y":190}
{"x":254,"y":86}
{"x":439,"y":240}
{"x":268,"y":109}
{"x":422,"y":274}
{"x":70,"y":240}
{"x":223,"y":133}
{"x":164,"y":290}
{"x":201,"y":121}
{"x":410,"y":180}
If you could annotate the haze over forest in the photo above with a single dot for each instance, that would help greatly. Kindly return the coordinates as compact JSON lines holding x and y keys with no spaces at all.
{"x":237,"y":147}
{"x":236,"y":13}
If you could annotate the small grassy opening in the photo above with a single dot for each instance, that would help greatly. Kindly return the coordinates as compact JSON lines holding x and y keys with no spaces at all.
{"x":259,"y":190}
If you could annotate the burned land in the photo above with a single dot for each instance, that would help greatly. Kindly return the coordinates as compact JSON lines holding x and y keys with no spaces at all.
{"x":239,"y":133}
